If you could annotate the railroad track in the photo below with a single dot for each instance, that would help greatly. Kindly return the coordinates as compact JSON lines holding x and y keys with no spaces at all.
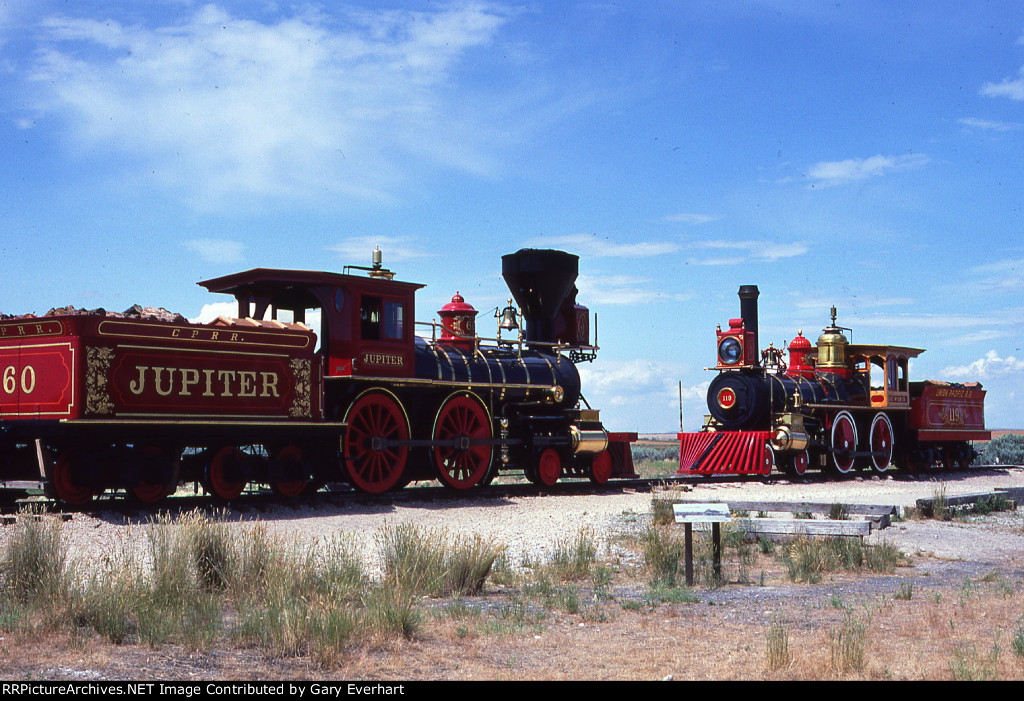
{"x":341,"y":494}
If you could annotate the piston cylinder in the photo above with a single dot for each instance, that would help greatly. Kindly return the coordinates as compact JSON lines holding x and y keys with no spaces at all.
{"x":785,"y":438}
{"x":790,"y":433}
{"x":588,"y":440}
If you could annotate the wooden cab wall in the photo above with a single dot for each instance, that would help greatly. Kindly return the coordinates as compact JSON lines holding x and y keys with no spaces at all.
{"x":886,"y":372}
{"x":366,"y":322}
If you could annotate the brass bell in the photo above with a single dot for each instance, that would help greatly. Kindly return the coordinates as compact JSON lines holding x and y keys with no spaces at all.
{"x":508,"y":318}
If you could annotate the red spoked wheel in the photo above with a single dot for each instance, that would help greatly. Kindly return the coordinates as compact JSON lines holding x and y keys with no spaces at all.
{"x":290,"y":455}
{"x":223,"y":478}
{"x":66,"y":480}
{"x":601,"y":468}
{"x":844,"y":442}
{"x":881,"y":442}
{"x":162,"y":478}
{"x":799,"y":463}
{"x":375,"y":421}
{"x":462,"y":423}
{"x":549,"y":467}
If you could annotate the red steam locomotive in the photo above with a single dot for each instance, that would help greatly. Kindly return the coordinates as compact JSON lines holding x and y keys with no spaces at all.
{"x":92,"y":401}
{"x":837,"y":406}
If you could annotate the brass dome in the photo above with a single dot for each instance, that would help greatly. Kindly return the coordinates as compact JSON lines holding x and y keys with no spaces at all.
{"x":831,"y":347}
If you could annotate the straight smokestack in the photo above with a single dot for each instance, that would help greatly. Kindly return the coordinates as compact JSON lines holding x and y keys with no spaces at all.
{"x":748,"y":312}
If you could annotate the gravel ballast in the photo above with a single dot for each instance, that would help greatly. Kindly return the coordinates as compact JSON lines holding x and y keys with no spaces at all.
{"x":529,"y":525}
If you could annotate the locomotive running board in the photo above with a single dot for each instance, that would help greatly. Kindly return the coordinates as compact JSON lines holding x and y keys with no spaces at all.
{"x":725,"y":452}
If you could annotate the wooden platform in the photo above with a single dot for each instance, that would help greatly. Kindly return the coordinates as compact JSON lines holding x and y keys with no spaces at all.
{"x":864,"y":517}
{"x":711,"y":515}
{"x":804,"y":527}
{"x":1013,"y":495}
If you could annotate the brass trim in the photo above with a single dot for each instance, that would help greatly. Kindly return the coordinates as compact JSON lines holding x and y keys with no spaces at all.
{"x":263,"y":337}
{"x":422,"y":381}
{"x":184,"y":420}
{"x":208,"y":351}
{"x":854,"y":407}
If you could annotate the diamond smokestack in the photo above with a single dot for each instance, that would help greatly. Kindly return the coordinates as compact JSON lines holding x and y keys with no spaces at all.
{"x":540,"y":280}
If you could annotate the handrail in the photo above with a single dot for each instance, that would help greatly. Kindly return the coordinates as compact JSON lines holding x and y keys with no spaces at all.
{"x":519,"y":342}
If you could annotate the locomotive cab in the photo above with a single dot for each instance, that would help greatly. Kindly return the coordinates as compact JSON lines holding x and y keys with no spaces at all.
{"x":884,"y":370}
{"x":366,"y":322}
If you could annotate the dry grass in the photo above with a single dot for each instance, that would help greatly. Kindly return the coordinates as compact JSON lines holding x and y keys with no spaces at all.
{"x":611,"y":623}
{"x":912,"y":640}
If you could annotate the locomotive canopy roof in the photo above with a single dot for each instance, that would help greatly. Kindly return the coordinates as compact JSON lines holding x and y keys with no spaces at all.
{"x":882,"y":350}
{"x":298,"y":289}
{"x":270,"y":279}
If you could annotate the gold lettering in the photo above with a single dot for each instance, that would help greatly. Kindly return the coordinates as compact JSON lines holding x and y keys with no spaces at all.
{"x":226,"y":376}
{"x":28,"y":379}
{"x":269,"y":384}
{"x":138,"y":385}
{"x":247,"y":386}
{"x":183,"y":381}
{"x":208,"y":392}
{"x":189,"y":377}
{"x":157,"y":372}
{"x":383,"y":359}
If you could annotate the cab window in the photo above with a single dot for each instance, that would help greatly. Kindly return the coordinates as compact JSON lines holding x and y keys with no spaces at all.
{"x":381,"y":319}
{"x":394,"y":320}
{"x":369,"y":318}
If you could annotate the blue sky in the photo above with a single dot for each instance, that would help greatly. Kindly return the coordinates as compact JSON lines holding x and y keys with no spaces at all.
{"x":861,"y":154}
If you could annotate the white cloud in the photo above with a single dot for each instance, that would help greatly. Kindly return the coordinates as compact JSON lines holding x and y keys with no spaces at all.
{"x":989,"y":125}
{"x":847,"y":303}
{"x":828,"y":173}
{"x":229,"y":310}
{"x":602,"y":290}
{"x":927,"y":321}
{"x":691,"y":218}
{"x":979,"y":336}
{"x":991,"y":365}
{"x":358,"y":250}
{"x":221,"y":106}
{"x":642,"y":394}
{"x":641,"y":373}
{"x":747,"y":251}
{"x":217,"y":250}
{"x":211,"y":311}
{"x":1012,"y":88}
{"x":1001,"y":276}
{"x":594,"y":246}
